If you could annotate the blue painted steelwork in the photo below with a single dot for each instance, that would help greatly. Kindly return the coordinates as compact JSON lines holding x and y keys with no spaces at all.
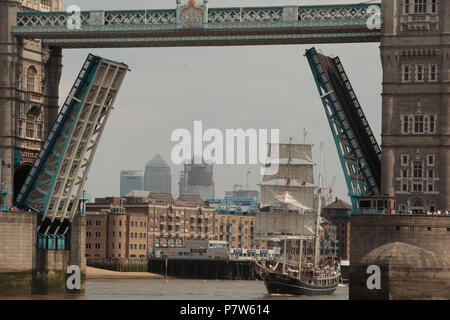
{"x":42,"y":241}
{"x":61,"y":129}
{"x":357,"y":155}
{"x":218,"y":26}
{"x":3,"y":193}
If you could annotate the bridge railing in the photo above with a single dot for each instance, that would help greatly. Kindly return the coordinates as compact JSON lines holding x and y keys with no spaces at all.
{"x":338,"y":15}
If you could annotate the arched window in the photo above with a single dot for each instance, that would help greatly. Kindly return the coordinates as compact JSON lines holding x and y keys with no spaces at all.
{"x":417,"y":204}
{"x":31,"y":79}
{"x":34,"y":123}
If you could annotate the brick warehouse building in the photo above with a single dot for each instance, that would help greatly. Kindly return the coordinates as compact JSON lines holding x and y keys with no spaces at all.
{"x":339,"y":213}
{"x":133,"y":227}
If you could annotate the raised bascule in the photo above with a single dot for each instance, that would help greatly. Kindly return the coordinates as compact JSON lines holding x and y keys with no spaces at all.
{"x":51,"y":152}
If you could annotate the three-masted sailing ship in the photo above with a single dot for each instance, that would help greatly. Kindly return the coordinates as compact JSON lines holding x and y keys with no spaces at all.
{"x":288,"y":215}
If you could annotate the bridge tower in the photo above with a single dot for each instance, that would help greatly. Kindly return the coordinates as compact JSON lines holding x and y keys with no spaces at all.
{"x":29,"y":81}
{"x":415,"y":54}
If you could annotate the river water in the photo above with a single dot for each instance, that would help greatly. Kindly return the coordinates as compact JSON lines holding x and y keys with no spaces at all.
{"x":181,"y":289}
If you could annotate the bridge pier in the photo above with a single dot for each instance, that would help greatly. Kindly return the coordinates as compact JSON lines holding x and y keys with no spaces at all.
{"x":412,"y":253}
{"x":26,"y":269}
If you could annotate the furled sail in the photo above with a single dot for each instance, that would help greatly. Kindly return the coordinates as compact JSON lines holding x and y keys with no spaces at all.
{"x":303,"y":194}
{"x":300,"y":172}
{"x":292,"y":151}
{"x":270,"y":223}
{"x":289,"y":199}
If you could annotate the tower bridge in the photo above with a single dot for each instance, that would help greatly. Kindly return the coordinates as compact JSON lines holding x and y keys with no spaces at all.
{"x":412,"y":165}
{"x":202,"y":26}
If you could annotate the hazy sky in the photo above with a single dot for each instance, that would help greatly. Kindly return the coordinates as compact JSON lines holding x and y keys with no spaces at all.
{"x":262,"y":87}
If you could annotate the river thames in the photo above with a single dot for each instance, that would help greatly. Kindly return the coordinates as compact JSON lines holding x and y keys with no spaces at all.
{"x":183,"y":289}
{"x":180,"y":289}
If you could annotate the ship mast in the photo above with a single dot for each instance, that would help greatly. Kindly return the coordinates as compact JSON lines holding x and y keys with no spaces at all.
{"x":286,"y":207}
{"x":319,"y":196}
{"x":300,"y":241}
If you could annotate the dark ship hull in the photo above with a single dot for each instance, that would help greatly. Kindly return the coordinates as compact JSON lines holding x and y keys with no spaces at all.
{"x":277,"y":283}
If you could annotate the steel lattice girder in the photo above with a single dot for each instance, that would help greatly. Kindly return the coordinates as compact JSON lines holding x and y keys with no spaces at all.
{"x":224,"y":26}
{"x":361,"y":178}
{"x":55,"y":183}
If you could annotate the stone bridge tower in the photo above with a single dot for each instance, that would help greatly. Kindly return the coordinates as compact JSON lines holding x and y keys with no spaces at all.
{"x":415,"y":54}
{"x":29,"y":80}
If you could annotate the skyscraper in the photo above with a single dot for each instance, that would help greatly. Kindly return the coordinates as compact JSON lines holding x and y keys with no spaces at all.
{"x":197,"y":179}
{"x":157,"y":175}
{"x":131,"y":180}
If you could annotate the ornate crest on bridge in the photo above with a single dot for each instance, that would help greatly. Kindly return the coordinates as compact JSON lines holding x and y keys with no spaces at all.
{"x":191,"y":14}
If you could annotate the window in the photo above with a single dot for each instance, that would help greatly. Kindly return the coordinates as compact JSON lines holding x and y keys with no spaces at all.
{"x":417,"y":187}
{"x":88,"y":222}
{"x":120,"y":247}
{"x":88,"y":234}
{"x":88,"y":245}
{"x":31,"y":79}
{"x":432,"y":128}
{"x":434,"y":9}
{"x":420,"y":6}
{"x":404,"y":187}
{"x":432,"y":69}
{"x":430,"y":159}
{"x":419,"y":73}
{"x":131,"y":235}
{"x":418,"y":170}
{"x":418,"y":124}
{"x":113,"y":234}
{"x":120,"y":234}
{"x":406,"y":6}
{"x":405,"y":124}
{"x":131,"y":246}
{"x":406,"y":73}
{"x":112,"y":246}
{"x":120,"y":222}
{"x":404,"y":173}
{"x":430,"y":174}
{"x":405,"y":160}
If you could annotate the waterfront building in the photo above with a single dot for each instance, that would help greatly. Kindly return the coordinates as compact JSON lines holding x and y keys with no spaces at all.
{"x":339,"y":213}
{"x":131,"y":180}
{"x":157,"y":176}
{"x":197,"y":179}
{"x":169,"y":222}
{"x":234,"y":223}
{"x":115,"y":233}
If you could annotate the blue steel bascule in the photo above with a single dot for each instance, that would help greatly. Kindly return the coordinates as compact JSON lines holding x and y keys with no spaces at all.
{"x":358,"y":150}
{"x":55,"y":183}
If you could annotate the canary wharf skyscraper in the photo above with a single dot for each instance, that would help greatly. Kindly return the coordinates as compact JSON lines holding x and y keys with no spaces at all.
{"x":157,"y":175}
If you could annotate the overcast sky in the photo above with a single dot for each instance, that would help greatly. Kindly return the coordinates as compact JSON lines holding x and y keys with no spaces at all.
{"x":263,"y":87}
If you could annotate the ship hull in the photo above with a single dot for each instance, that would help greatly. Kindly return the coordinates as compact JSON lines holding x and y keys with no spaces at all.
{"x":277,"y":283}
